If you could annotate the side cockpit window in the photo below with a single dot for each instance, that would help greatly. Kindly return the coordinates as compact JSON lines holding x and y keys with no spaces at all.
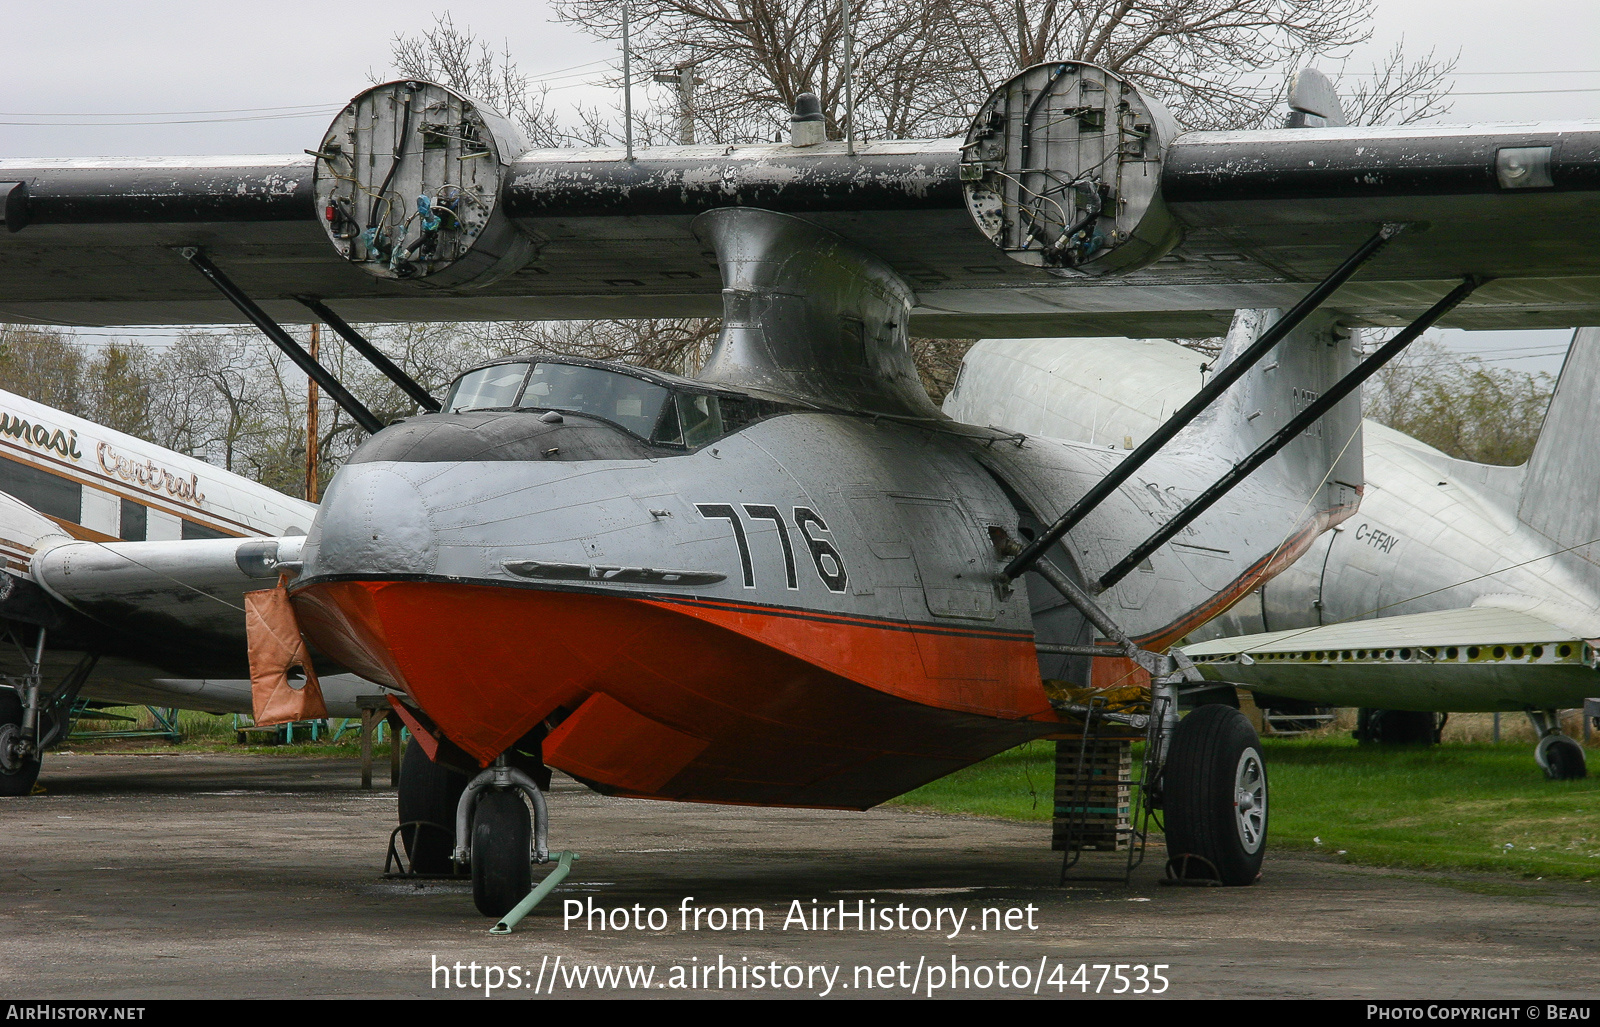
{"x":701,"y":417}
{"x":632,"y":402}
{"x":487,"y":388}
{"x":695,"y":419}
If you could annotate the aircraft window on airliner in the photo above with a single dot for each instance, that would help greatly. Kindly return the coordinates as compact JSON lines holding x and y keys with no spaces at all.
{"x":193,"y":530}
{"x":487,"y":388}
{"x":621,"y":398}
{"x":48,"y":493}
{"x":135,"y":522}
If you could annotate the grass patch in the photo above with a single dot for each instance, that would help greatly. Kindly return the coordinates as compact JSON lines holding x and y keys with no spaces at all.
{"x":206,"y":732}
{"x":1464,"y":806}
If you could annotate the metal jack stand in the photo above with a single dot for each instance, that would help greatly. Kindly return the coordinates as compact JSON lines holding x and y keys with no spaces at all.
{"x":164,"y":723}
{"x":395,"y":865}
{"x":1157,"y":720}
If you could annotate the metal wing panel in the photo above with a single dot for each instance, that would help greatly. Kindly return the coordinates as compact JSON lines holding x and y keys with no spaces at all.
{"x":1475,"y":625}
{"x":1479,"y":658}
{"x":1263,"y":214}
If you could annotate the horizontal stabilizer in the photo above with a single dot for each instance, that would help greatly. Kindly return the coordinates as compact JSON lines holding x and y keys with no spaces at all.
{"x":1484,"y":657}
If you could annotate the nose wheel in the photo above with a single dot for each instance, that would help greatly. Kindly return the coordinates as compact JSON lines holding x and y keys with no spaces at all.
{"x":493,"y":831}
{"x":429,"y":795}
{"x":502,"y":835}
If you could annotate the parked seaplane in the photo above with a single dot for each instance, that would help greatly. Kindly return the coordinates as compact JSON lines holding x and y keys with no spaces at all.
{"x":792,"y":580}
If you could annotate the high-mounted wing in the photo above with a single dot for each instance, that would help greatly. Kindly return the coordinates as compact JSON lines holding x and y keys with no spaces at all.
{"x":1073,"y":206}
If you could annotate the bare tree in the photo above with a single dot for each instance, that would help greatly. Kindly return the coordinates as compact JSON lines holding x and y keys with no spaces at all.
{"x":464,"y":62}
{"x":1461,"y":405}
{"x":756,"y":56}
{"x":920,"y":67}
{"x":118,"y":384}
{"x":1215,"y":63}
{"x":43,"y":364}
{"x":677,"y":344}
{"x":1401,"y":90}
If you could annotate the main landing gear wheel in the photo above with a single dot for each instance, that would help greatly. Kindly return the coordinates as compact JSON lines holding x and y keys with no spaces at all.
{"x":428,"y":793}
{"x":502,"y":846}
{"x":16,"y":775}
{"x":1397,"y":727}
{"x":1562,"y":758}
{"x":1215,"y":794}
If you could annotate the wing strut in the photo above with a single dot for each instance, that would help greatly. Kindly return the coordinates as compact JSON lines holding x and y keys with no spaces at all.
{"x":1289,"y":432}
{"x":374,"y":355}
{"x":274,"y":331}
{"x":1225,"y":376}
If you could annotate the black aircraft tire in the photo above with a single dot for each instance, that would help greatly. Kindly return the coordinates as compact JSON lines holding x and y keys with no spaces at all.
{"x":430,"y":793}
{"x":1401,"y":727}
{"x":502,"y":838}
{"x":20,"y":782}
{"x":1564,"y":760}
{"x":1214,"y":751}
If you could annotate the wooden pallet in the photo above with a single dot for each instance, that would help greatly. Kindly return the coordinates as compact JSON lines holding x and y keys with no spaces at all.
{"x":1092,"y":811}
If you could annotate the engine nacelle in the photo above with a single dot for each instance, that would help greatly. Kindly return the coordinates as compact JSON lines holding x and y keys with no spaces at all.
{"x":1062,"y":171}
{"x":407,"y":186}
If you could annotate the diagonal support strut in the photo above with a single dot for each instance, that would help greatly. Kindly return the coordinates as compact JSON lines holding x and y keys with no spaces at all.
{"x":374,"y":355}
{"x":284,"y":341}
{"x":1289,"y":432}
{"x":1219,"y":384}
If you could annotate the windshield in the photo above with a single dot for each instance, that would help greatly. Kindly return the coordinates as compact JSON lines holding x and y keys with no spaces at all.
{"x":631,"y":402}
{"x":486,"y":388}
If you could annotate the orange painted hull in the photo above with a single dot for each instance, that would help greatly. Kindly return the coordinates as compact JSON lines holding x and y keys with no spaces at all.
{"x":691,"y":699}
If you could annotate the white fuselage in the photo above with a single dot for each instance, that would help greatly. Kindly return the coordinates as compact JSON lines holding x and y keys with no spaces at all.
{"x":66,"y":483}
{"x":1432,"y":532}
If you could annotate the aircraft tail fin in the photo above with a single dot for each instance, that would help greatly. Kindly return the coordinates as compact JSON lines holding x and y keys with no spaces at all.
{"x":1325,"y":462}
{"x":1117,"y":391}
{"x":1561,"y":494}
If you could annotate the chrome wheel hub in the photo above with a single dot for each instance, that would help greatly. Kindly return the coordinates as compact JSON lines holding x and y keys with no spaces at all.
{"x":1250,"y":800}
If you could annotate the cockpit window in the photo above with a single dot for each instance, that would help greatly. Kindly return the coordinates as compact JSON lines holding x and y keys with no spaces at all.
{"x":487,"y":388}
{"x":631,"y":402}
{"x":700,"y":417}
{"x":680,"y":418}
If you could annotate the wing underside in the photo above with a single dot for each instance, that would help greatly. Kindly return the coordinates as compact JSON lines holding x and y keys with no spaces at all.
{"x":1477,"y":658}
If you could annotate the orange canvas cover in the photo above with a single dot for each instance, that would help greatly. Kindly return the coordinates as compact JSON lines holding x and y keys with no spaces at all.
{"x":275,"y":647}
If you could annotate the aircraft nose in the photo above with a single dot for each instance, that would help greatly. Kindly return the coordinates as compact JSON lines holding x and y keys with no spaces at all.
{"x":373,"y":520}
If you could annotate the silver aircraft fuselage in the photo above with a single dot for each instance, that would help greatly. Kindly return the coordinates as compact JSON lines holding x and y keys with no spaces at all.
{"x":1433,"y":533}
{"x":803,"y":609}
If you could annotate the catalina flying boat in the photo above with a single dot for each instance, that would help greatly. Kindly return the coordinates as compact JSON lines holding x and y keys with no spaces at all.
{"x":792,"y":580}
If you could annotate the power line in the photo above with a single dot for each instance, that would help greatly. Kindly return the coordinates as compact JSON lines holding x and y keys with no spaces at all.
{"x":323,"y":113}
{"x":1528,"y":92}
{"x":1462,"y":74}
{"x":162,"y":114}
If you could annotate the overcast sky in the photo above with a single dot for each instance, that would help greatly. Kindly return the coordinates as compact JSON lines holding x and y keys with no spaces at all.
{"x":89,"y":77}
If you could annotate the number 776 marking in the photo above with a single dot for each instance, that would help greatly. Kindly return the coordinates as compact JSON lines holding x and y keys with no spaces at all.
{"x":825,"y":558}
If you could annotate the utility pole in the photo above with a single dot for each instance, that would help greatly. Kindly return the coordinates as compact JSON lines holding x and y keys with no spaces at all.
{"x":849,"y":86}
{"x":311,"y":421}
{"x":684,"y":79}
{"x":627,"y":84}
